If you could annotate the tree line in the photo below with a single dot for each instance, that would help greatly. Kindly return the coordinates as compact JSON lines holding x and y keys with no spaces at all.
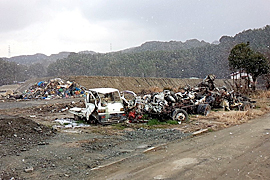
{"x":11,"y":72}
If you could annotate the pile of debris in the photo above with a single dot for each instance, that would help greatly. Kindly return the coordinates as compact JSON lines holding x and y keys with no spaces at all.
{"x":54,"y":88}
{"x":197,"y":100}
{"x":160,"y":105}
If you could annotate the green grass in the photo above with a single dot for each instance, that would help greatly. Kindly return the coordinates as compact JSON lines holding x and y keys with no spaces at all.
{"x":172,"y":122}
{"x":80,"y":122}
{"x":153,"y":122}
{"x":119,"y":126}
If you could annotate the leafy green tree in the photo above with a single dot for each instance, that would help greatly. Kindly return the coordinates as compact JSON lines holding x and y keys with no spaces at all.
{"x":243,"y":59}
{"x":239,"y":55}
{"x":257,"y":65}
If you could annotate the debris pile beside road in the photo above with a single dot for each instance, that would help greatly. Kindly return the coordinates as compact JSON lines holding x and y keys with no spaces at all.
{"x":196,"y":100}
{"x":54,"y":88}
{"x":108,"y":105}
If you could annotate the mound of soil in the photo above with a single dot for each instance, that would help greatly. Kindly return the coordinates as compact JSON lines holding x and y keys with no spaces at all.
{"x":19,"y":134}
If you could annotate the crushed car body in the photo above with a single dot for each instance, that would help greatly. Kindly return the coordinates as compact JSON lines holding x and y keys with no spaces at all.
{"x":103,"y":105}
{"x":176,"y":106}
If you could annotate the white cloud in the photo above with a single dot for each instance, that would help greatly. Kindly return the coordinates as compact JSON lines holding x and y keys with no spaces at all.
{"x":51,"y":26}
{"x":70,"y":31}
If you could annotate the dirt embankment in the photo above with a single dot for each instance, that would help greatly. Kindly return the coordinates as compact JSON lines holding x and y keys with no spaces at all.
{"x":136,"y":84}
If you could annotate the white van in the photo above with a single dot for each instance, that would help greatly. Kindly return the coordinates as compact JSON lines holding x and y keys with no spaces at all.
{"x":103,"y":105}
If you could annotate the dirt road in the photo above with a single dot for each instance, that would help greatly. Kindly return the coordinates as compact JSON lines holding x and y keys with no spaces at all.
{"x":239,"y":152}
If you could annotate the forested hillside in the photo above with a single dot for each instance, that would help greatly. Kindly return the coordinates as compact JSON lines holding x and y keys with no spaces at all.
{"x":167,"y":46}
{"x":10,"y":72}
{"x":164,"y":59}
{"x":37,"y":58}
{"x":172,"y":59}
{"x":197,"y":62}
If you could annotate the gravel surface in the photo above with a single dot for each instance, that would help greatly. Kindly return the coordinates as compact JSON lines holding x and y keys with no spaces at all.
{"x":130,"y":142}
{"x":31,"y":150}
{"x":20,"y":134}
{"x":8,"y":104}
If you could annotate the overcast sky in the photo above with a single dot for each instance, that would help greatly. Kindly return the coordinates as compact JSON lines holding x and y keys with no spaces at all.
{"x":51,"y":26}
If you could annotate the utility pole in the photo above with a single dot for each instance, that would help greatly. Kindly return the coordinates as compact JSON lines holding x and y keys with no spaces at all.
{"x":9,"y":53}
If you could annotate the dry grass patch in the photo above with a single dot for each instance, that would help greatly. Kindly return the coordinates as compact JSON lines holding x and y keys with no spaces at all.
{"x":266,"y":94}
{"x":236,"y":117}
{"x":263,"y":105}
{"x":262,"y":100}
{"x":155,"y":89}
{"x":261,"y":95}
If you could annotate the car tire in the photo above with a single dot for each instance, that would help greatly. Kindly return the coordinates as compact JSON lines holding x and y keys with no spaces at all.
{"x":245,"y":106}
{"x":204,"y":109}
{"x":180,"y":115}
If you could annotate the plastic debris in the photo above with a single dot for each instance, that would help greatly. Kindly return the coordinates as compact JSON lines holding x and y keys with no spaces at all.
{"x":69,"y":123}
{"x":54,"y":88}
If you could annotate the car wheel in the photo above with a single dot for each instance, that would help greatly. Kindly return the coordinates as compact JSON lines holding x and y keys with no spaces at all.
{"x":204,"y":109}
{"x":245,"y":106}
{"x":180,"y":115}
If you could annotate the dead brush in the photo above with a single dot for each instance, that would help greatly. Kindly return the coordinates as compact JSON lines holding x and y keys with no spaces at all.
{"x":263,"y":105}
{"x":155,"y":89}
{"x":170,"y":88}
{"x":262,"y":98}
{"x":237,"y":117}
{"x":266,"y":94}
{"x":261,"y":94}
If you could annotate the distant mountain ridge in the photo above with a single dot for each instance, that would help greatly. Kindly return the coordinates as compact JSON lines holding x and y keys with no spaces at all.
{"x":37,"y":58}
{"x":166,"y":46}
{"x":258,"y":38}
{"x":147,"y":46}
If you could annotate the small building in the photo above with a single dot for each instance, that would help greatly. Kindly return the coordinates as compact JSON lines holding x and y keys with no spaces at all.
{"x":242,"y":75}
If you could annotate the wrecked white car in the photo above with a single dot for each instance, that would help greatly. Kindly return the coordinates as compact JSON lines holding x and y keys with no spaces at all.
{"x":103,"y":105}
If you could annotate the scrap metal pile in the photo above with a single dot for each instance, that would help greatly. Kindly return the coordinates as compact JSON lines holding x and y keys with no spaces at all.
{"x":170,"y":105}
{"x":108,"y":105}
{"x":54,"y":88}
{"x":198,"y":100}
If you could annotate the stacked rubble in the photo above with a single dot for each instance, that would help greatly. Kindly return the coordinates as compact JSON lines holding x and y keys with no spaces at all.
{"x":167,"y":104}
{"x":54,"y":88}
{"x":196,"y":100}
